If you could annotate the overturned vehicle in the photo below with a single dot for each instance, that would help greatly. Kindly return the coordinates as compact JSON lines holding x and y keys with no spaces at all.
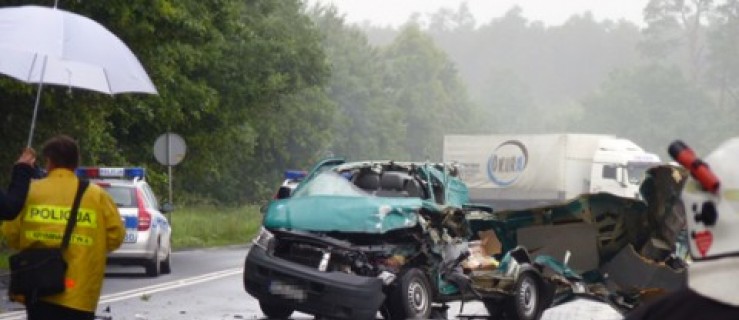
{"x":400,"y":238}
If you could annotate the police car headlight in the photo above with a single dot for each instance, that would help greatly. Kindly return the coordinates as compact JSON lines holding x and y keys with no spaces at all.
{"x":264,"y":239}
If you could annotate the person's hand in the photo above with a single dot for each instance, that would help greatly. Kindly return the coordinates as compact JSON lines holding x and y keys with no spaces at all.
{"x":27,"y":157}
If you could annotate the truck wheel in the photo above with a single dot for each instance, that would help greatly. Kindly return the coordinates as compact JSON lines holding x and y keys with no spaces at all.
{"x":275,"y":311}
{"x":411,"y":298}
{"x":527,"y":302}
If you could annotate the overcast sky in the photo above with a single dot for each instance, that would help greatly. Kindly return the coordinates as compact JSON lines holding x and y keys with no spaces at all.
{"x":551,"y":12}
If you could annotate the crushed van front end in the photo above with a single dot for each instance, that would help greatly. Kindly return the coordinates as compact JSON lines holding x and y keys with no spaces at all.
{"x":292,"y":281}
{"x":344,"y":247}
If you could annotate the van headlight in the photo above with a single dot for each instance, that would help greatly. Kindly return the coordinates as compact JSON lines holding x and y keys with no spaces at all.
{"x":264,"y":239}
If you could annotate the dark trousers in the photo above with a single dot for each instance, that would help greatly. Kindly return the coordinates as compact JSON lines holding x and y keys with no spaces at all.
{"x":48,"y":311}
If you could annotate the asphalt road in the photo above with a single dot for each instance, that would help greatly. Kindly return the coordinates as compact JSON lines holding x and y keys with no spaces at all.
{"x":204,"y":285}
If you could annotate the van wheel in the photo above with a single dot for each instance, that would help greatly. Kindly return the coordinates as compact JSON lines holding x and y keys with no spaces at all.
{"x":153,"y":267}
{"x":411,"y":298}
{"x":494,"y":307}
{"x":384,"y":313}
{"x":527,"y":301}
{"x":275,"y":311}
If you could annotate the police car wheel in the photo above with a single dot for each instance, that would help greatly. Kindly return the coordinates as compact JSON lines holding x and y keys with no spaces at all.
{"x":166,"y":265}
{"x":153,"y":267}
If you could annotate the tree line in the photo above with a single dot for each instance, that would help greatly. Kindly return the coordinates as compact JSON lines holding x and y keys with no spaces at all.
{"x":257,"y":87}
{"x":674,"y":76}
{"x":254,"y":87}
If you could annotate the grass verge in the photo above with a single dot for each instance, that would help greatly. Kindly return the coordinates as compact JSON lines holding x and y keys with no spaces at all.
{"x":209,"y":226}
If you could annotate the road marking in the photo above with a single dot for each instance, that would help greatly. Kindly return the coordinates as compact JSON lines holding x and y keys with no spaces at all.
{"x":123,"y":295}
{"x":135,"y":293}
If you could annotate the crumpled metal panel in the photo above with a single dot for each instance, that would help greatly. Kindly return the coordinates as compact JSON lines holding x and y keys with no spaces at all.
{"x":343,"y":213}
{"x":633,"y":239}
{"x":629,"y":272}
{"x":617,"y":221}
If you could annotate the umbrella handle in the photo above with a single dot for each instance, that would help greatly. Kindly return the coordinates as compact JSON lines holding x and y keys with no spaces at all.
{"x":35,"y":105}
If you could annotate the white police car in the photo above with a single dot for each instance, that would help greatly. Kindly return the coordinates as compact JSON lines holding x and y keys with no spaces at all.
{"x":148,"y":233}
{"x":292,"y":179}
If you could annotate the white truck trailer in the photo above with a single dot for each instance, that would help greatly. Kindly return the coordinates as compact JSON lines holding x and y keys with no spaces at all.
{"x":524,"y":170}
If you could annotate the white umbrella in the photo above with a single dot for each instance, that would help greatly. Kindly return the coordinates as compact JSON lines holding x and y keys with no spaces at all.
{"x":52,"y":46}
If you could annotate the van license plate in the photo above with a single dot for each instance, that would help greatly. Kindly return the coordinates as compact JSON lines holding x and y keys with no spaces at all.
{"x":287,"y":290}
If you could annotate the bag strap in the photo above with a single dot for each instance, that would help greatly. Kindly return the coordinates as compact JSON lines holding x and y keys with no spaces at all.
{"x":81,"y":187}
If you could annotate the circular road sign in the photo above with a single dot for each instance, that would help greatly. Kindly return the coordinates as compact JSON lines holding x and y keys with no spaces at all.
{"x":170,"y":149}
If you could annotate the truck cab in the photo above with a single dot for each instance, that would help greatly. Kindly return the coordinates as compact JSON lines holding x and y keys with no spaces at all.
{"x":619,"y":167}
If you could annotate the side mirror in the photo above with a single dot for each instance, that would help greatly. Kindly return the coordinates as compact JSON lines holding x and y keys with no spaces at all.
{"x":284,"y":192}
{"x":166,"y":207}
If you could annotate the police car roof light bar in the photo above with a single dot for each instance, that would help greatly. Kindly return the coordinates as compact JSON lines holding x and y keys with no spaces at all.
{"x":106,"y":172}
{"x":295,"y":174}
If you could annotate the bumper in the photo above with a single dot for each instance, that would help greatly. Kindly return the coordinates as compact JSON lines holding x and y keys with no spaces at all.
{"x":136,"y":252}
{"x":329,"y":294}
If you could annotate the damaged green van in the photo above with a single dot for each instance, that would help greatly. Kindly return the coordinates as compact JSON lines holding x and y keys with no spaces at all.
{"x":355,"y":238}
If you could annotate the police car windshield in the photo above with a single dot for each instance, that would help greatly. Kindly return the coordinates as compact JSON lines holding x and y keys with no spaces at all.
{"x":124,"y":197}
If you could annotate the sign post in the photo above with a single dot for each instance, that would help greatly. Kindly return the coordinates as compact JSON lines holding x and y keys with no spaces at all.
{"x":169,"y":150}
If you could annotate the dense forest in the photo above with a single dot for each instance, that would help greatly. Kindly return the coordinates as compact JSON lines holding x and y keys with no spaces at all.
{"x":256,"y":87}
{"x":674,"y":77}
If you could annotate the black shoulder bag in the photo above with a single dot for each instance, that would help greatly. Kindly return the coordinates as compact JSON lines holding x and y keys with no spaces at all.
{"x":40,"y":272}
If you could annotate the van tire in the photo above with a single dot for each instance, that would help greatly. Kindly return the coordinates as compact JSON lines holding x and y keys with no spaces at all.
{"x":275,"y":311}
{"x":411,"y":298}
{"x":527,"y":302}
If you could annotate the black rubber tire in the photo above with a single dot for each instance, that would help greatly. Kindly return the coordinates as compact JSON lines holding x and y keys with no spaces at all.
{"x":439,"y":312}
{"x":166,"y":264}
{"x":495,"y":308}
{"x":153,"y":267}
{"x":384,"y":313}
{"x":275,"y":311}
{"x":527,"y":301}
{"x":411,"y":298}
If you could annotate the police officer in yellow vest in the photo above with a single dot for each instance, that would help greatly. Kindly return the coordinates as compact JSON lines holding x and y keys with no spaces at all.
{"x":41,"y":223}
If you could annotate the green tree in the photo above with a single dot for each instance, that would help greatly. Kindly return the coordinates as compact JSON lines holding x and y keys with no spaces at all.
{"x":528,"y":77}
{"x":426,"y":85}
{"x":653,"y":105}
{"x":676,"y":33}
{"x":508,"y":103}
{"x":366,"y":124}
{"x":723,"y":44}
{"x":235,"y":79}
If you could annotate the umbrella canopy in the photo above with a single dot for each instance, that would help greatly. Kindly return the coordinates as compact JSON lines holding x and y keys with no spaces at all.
{"x":52,"y":46}
{"x":79,"y":52}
